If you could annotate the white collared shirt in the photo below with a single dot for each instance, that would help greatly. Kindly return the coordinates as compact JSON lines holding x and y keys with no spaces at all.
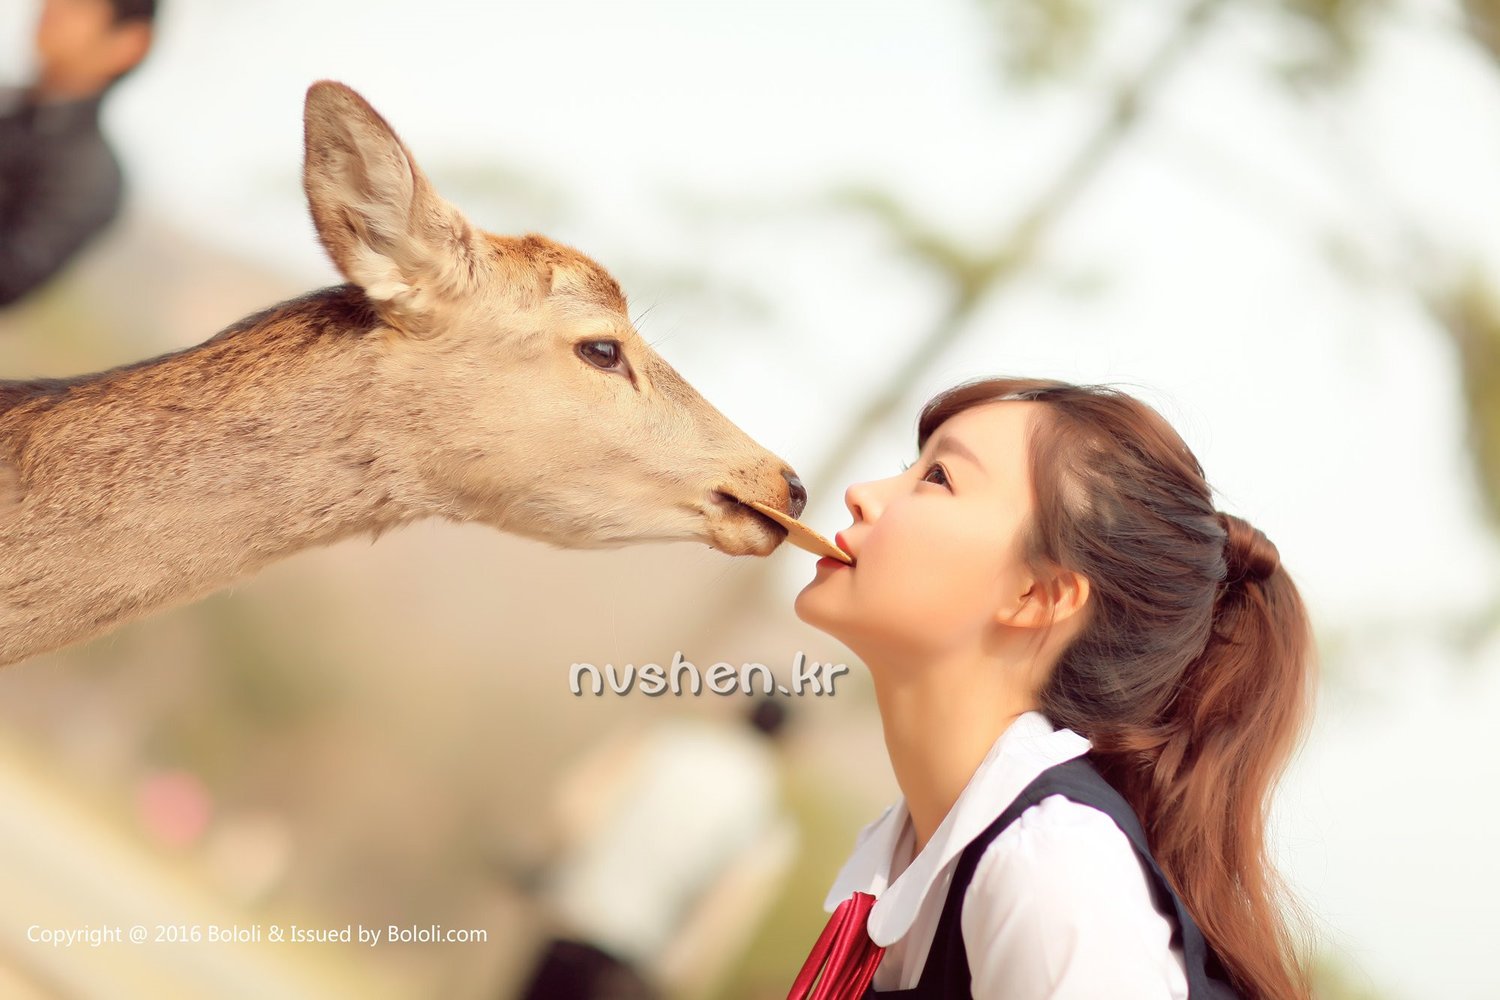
{"x":1059,"y":906}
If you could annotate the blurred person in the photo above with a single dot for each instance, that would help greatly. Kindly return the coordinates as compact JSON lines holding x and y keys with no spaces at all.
{"x":675,"y":845}
{"x":60,"y":184}
{"x":1089,"y":680}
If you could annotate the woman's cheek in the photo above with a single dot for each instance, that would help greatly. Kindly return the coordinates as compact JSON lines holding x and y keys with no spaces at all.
{"x":958,"y":577}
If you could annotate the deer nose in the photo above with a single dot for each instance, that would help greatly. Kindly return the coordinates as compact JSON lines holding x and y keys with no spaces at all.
{"x":796,"y":493}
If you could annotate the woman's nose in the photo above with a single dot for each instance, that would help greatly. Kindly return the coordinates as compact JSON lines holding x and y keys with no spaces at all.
{"x":857,"y":497}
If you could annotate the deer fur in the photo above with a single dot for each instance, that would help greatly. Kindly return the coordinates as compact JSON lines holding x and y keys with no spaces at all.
{"x":453,"y":376}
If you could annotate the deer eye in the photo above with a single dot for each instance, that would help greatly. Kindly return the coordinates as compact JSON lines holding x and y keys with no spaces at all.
{"x":603,"y":354}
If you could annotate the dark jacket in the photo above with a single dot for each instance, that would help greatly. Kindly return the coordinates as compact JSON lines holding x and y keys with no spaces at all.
{"x":59,"y":186}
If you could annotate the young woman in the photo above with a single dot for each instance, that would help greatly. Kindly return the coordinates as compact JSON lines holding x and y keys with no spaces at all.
{"x":1089,"y":680}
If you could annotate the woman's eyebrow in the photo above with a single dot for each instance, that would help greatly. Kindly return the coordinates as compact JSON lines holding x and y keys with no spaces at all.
{"x":949,"y":443}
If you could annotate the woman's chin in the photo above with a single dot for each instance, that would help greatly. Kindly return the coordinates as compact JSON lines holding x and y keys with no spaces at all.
{"x":808,"y":608}
{"x":812,"y":609}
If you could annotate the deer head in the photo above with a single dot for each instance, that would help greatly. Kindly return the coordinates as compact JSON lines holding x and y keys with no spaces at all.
{"x":541,"y":409}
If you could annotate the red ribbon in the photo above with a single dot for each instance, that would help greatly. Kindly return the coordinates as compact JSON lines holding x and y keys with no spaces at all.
{"x":844,"y":954}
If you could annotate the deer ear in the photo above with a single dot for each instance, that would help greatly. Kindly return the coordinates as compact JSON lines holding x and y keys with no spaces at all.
{"x":377,"y":215}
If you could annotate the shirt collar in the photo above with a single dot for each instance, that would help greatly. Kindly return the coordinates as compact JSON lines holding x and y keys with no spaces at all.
{"x":1027,"y":747}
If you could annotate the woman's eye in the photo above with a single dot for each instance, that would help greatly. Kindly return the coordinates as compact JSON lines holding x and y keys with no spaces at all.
{"x":603,"y":354}
{"x":934,"y":467}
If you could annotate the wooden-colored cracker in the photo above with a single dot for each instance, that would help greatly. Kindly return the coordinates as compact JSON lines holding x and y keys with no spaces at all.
{"x":801,"y":535}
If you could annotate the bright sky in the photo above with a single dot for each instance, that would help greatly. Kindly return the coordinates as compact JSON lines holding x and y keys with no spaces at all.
{"x":1325,"y":411}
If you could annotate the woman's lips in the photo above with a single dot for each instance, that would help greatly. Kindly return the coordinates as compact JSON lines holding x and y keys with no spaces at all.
{"x":840,"y":541}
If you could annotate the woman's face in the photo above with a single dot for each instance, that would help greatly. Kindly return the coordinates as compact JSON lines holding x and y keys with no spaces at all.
{"x":937,"y":547}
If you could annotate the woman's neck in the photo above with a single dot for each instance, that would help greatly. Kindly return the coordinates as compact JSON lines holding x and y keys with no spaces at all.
{"x":940,"y":721}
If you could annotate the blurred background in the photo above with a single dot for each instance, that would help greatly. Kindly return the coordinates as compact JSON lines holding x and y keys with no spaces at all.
{"x":1275,"y":220}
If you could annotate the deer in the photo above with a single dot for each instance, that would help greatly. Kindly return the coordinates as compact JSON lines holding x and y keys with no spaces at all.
{"x":456,"y":374}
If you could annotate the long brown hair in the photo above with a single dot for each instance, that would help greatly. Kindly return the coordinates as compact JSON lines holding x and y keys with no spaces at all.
{"x":1191,"y":675}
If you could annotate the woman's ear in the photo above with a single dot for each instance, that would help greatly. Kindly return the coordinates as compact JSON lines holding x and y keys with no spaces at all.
{"x":1051,"y":600}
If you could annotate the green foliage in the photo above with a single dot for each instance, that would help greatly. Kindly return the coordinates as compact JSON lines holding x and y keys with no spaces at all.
{"x":1041,"y":39}
{"x":1469,"y":309}
{"x":970,"y":271}
{"x":1482,"y":19}
{"x":1332,"y":36}
{"x":1331,"y":981}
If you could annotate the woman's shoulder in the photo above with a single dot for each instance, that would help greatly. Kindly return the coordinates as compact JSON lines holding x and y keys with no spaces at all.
{"x":1063,"y":885}
{"x":1063,"y":845}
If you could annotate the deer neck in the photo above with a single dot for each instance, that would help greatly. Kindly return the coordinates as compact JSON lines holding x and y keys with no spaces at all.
{"x":149,"y":485}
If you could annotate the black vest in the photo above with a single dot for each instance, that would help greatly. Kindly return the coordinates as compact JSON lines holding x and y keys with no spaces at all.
{"x":945,"y":974}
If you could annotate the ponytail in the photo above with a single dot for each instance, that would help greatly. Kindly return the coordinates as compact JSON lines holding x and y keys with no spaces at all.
{"x":1201,"y":777}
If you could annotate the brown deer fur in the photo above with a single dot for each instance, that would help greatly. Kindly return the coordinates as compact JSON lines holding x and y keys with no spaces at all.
{"x":448,"y":379}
